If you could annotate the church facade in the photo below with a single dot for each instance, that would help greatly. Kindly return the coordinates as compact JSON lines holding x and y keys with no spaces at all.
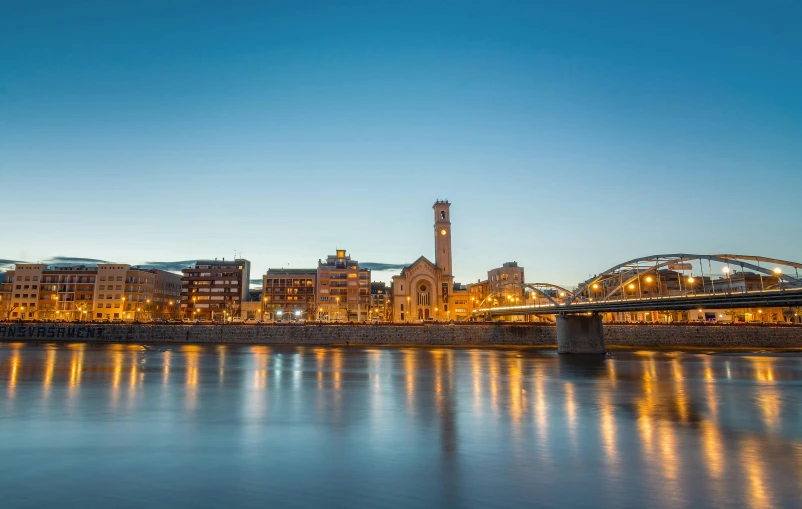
{"x":424,"y":289}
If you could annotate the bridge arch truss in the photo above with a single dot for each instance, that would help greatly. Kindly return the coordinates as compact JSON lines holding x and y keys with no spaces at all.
{"x":684,"y":274}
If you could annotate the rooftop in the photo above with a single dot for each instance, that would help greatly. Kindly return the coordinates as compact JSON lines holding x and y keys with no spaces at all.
{"x":271,"y":272}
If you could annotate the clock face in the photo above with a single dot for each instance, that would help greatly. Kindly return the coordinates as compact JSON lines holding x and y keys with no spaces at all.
{"x":442,"y":232}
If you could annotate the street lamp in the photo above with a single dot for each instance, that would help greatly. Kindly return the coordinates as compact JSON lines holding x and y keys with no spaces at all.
{"x":778,"y":272}
{"x":726,"y":270}
{"x":408,"y":310}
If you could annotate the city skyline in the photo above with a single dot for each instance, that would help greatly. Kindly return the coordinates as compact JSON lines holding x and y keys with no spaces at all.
{"x":178,"y":131}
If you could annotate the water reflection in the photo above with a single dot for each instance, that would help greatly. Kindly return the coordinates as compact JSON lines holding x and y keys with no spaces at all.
{"x":472,"y":428}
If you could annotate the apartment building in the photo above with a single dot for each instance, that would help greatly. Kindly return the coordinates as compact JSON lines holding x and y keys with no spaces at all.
{"x":289,"y":294}
{"x":380,"y":301}
{"x":503,"y":276}
{"x":215,"y":289}
{"x":343,"y":288}
{"x":80,"y":292}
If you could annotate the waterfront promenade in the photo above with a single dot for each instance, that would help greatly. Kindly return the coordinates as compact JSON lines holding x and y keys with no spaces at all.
{"x":544,"y":335}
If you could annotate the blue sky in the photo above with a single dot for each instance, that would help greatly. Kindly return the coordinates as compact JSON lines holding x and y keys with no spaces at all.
{"x":567,"y":138}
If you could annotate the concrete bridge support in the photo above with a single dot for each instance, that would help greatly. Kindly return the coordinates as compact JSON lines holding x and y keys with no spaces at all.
{"x":580,"y":334}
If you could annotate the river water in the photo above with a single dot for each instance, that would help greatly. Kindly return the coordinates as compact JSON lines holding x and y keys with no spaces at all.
{"x":255,"y":426}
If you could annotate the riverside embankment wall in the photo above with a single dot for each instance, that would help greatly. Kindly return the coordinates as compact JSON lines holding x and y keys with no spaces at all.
{"x":636,"y":335}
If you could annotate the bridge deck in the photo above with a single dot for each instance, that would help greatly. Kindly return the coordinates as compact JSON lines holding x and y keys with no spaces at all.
{"x":778,"y":298}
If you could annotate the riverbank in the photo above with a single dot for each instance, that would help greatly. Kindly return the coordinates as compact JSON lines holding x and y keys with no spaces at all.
{"x":623,"y":335}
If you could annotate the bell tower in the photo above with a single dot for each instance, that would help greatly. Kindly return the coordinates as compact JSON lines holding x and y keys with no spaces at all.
{"x":442,"y":235}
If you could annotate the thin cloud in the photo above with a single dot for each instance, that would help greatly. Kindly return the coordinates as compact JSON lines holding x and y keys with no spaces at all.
{"x":9,"y":264}
{"x":176,"y":266}
{"x":64,"y":260}
{"x":383,"y":266}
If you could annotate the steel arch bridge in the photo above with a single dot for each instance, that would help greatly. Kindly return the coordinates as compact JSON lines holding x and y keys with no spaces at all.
{"x":515,"y":294}
{"x":670,"y":281}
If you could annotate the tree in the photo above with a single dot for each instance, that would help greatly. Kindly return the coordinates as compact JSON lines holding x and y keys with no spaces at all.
{"x":735,"y":314}
{"x":793,"y":314}
{"x":9,"y":307}
{"x":232,"y":307}
{"x":311,"y":310}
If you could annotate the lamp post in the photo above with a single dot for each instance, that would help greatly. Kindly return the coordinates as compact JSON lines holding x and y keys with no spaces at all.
{"x":409,"y":299}
{"x":726,"y":270}
{"x":338,"y":308}
{"x":778,"y":272}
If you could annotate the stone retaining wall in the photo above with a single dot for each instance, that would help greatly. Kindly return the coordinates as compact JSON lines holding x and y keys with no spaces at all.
{"x":721,"y":336}
{"x":474,"y":334}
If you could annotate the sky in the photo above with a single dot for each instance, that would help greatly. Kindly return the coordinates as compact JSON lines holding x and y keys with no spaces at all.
{"x":567,"y":138}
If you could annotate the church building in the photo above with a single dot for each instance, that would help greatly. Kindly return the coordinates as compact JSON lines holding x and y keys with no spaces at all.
{"x":423,"y":290}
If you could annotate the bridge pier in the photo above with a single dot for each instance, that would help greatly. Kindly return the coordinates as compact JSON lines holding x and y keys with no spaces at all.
{"x":580,"y":334}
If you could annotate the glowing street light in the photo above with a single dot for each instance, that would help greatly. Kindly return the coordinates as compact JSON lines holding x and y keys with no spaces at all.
{"x":777,"y":270}
{"x":725,"y":270}
{"x":648,"y":279}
